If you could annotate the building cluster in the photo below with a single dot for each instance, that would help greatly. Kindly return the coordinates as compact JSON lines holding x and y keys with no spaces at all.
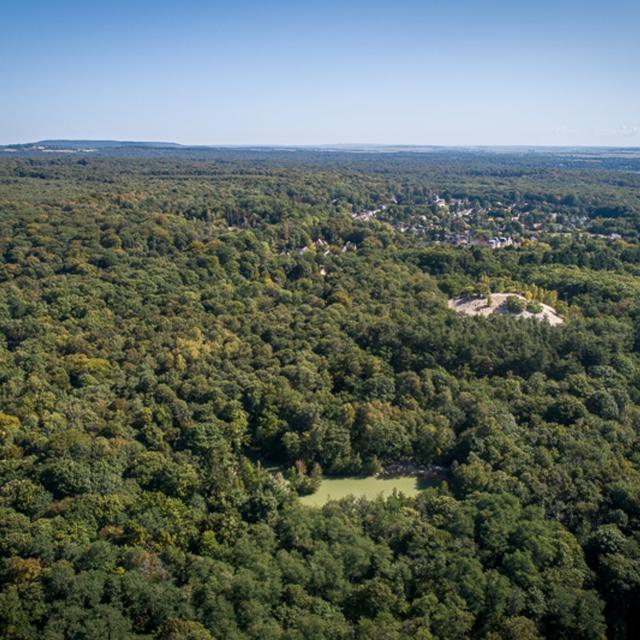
{"x":462,"y":222}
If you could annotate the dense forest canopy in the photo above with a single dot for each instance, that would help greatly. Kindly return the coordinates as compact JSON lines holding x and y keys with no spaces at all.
{"x":171,"y":327}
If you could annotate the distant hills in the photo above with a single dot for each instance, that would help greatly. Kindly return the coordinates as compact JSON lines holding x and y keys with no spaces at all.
{"x":101,"y":144}
{"x":87,"y":145}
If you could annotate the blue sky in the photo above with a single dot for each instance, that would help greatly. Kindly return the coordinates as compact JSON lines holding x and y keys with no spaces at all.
{"x":405,"y":72}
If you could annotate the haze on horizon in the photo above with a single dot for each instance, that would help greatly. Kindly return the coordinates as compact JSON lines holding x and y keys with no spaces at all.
{"x":419,"y":73}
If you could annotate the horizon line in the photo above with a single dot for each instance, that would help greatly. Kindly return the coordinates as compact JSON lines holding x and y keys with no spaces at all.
{"x":271,"y":145}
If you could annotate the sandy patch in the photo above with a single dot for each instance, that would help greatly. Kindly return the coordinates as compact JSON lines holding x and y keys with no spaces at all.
{"x":479,"y":307}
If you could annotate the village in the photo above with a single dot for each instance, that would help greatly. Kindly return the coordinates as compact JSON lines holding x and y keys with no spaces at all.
{"x":441,"y":219}
{"x":462,"y":222}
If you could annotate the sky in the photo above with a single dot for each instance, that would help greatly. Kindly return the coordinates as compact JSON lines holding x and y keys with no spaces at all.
{"x":457,"y":72}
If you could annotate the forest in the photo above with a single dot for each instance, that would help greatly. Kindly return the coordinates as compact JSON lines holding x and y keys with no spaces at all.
{"x":174,"y":327}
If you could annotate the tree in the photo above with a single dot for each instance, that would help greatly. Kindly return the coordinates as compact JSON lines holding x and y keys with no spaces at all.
{"x":514,"y":304}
